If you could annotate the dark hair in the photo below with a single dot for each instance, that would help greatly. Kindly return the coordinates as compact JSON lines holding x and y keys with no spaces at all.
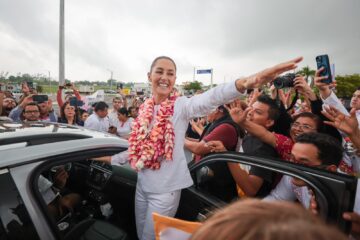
{"x":131,"y":108}
{"x":330,"y":151}
{"x":62,"y":113}
{"x":123,"y":111}
{"x":223,"y":110}
{"x":101,"y":106}
{"x":312,"y":116}
{"x":31,"y":104}
{"x":274,"y":111}
{"x":161,"y":57}
{"x":252,"y":219}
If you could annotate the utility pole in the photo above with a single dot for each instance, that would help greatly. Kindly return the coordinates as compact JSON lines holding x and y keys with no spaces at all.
{"x":111,"y":78}
{"x":49,"y":83}
{"x":61,"y":46}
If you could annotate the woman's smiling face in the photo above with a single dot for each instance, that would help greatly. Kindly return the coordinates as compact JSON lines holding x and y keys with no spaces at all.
{"x":162,"y":77}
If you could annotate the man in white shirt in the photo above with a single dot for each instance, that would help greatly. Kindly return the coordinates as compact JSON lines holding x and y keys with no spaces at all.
{"x":330,"y":99}
{"x":117,"y":103}
{"x":314,"y":150}
{"x":99,"y":120}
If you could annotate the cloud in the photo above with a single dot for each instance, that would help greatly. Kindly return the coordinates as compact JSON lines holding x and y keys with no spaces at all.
{"x":235,"y":38}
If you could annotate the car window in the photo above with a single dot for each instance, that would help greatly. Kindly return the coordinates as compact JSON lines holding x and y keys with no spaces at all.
{"x":84,"y":191}
{"x":15,"y":222}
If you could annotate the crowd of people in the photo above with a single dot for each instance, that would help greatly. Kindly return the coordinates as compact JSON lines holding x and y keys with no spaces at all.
{"x":29,"y":107}
{"x":248,"y":115}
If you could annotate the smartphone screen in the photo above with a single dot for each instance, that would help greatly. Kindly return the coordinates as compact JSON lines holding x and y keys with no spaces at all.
{"x":322,"y":61}
{"x":73,"y":101}
{"x":40,"y":98}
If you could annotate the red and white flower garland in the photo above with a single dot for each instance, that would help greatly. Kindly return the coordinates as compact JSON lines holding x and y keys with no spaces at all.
{"x":148,"y":147}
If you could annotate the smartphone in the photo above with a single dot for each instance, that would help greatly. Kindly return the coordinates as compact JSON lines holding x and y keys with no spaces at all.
{"x":68,"y":84}
{"x":322,"y":61}
{"x":73,"y":101}
{"x":40,"y":98}
{"x":119,"y":86}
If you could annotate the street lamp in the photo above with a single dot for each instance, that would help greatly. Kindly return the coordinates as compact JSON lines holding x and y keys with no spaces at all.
{"x":61,"y":45}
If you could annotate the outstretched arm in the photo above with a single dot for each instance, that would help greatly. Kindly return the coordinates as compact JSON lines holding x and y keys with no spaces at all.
{"x":202,"y":104}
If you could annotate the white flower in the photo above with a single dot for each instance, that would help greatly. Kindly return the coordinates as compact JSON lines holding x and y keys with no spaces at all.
{"x":139,"y":165}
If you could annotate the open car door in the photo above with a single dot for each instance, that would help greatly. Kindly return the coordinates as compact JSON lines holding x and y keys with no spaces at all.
{"x":334,"y":192}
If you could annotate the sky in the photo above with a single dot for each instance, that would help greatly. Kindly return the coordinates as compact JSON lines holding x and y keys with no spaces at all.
{"x":233,"y":37}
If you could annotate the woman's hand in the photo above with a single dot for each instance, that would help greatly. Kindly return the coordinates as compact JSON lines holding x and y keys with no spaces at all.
{"x":216,"y":146}
{"x":265,"y":76}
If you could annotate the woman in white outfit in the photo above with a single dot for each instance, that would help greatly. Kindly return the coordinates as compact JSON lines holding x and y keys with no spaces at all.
{"x":123,"y":126}
{"x":156,"y":143}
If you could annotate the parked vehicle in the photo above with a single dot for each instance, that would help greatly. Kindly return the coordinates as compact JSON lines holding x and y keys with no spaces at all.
{"x":31,"y":151}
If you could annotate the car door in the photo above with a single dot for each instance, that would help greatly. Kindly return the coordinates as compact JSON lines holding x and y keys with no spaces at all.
{"x":334,"y":192}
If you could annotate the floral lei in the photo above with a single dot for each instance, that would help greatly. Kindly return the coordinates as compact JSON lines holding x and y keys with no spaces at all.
{"x":148,"y":147}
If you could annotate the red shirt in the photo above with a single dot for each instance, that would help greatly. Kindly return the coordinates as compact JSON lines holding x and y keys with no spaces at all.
{"x":226,"y":133}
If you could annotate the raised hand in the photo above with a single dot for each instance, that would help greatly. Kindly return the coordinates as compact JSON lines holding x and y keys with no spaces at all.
{"x":346,"y":124}
{"x":267,"y":75}
{"x":303,"y":88}
{"x":237,"y":114}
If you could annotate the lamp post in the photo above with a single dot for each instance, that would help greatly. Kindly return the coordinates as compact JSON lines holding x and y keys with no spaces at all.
{"x":61,"y":46}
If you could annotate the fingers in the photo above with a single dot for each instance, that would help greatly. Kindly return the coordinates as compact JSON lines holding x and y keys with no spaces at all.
{"x":317,"y":73}
{"x":229,"y":108}
{"x":353,"y":113}
{"x":289,"y":65}
{"x":351,"y":216}
{"x":246,"y":111}
{"x":330,"y":124}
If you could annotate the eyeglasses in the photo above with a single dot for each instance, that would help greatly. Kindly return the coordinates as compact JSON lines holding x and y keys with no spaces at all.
{"x":304,"y":127}
{"x":34,"y":111}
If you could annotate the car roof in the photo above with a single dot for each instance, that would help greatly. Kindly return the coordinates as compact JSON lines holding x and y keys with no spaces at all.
{"x":23,"y":142}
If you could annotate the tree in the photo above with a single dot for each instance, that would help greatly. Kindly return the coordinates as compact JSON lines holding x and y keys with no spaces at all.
{"x":307,"y":72}
{"x":346,"y":85}
{"x":193,"y":86}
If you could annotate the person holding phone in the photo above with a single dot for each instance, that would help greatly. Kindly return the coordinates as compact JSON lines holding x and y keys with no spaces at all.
{"x":68,"y":96}
{"x":157,"y":138}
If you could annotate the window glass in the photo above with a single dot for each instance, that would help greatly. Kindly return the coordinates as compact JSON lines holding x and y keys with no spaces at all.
{"x":15,"y":222}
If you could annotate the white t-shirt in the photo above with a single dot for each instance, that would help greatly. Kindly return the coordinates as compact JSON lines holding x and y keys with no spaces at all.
{"x":45,"y":189}
{"x":287,"y":191}
{"x":174,"y":175}
{"x":97,"y":123}
{"x":124,"y":128}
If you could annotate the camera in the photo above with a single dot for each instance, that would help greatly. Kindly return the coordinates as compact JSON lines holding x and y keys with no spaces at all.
{"x":285,"y":81}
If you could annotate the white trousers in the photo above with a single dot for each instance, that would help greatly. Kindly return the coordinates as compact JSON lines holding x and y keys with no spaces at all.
{"x":146,"y":203}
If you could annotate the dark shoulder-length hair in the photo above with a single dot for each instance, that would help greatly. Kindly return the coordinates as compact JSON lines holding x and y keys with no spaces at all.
{"x":63,"y":118}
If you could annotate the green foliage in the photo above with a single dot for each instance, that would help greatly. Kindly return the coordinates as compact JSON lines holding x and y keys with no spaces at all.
{"x":193,"y":86}
{"x":39,"y":89}
{"x":307,"y":72}
{"x":346,"y":85}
